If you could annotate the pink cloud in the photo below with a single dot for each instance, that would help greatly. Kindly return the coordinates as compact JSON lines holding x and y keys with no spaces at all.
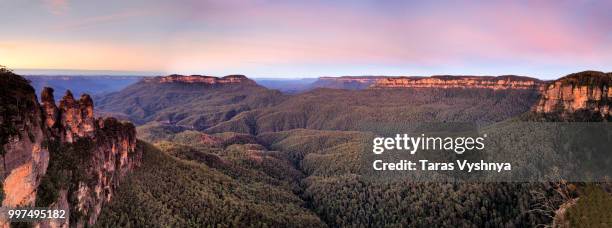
{"x":93,"y":21}
{"x":57,"y":7}
{"x":230,"y":34}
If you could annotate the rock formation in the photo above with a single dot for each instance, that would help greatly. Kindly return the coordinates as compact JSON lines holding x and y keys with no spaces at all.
{"x":76,"y":117}
{"x":201,"y":79}
{"x":475,"y":82}
{"x":60,"y":157}
{"x":586,"y":93}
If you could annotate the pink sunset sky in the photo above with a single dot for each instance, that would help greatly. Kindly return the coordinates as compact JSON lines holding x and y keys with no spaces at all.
{"x":544,"y":39}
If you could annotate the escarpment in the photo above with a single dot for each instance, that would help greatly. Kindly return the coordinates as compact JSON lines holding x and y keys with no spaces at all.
{"x":468,"y":82}
{"x":201,"y":79}
{"x":582,"y":96}
{"x":441,"y":82}
{"x":60,"y":156}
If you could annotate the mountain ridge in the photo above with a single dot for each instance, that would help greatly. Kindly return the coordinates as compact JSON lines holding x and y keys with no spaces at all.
{"x":451,"y":81}
{"x":434,"y":81}
{"x":202,"y":79}
{"x":195,"y":102}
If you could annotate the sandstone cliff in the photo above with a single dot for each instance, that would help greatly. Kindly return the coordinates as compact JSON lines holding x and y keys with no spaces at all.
{"x":24,"y":159}
{"x":476,"y":82}
{"x":584,"y":95}
{"x":60,"y":157}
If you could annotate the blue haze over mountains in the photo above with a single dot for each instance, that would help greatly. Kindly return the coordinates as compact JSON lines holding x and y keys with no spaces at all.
{"x":93,"y":85}
{"x":100,"y":85}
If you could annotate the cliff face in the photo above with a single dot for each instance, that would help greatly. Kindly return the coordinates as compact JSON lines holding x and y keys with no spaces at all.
{"x":60,"y":157}
{"x":586,"y":92}
{"x":24,"y":159}
{"x":191,"y":79}
{"x":486,"y":82}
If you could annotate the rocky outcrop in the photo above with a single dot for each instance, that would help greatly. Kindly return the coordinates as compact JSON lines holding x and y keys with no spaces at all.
{"x":468,"y":82}
{"x":48,"y":107}
{"x":60,"y":157}
{"x":200,"y":79}
{"x":76,"y":117}
{"x":587,"y":94}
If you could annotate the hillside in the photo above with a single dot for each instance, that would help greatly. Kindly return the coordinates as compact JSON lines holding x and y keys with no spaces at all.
{"x":342,"y":197}
{"x":334,"y":109}
{"x":196,"y":102}
{"x":304,"y":178}
{"x":179,"y":186}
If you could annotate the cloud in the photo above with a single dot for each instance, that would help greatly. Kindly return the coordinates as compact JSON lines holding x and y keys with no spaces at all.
{"x":275,"y":36}
{"x":57,"y":7}
{"x":93,"y":21}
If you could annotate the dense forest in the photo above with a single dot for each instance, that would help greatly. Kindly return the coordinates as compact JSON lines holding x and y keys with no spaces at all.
{"x":204,"y":188}
{"x":314,"y":175}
